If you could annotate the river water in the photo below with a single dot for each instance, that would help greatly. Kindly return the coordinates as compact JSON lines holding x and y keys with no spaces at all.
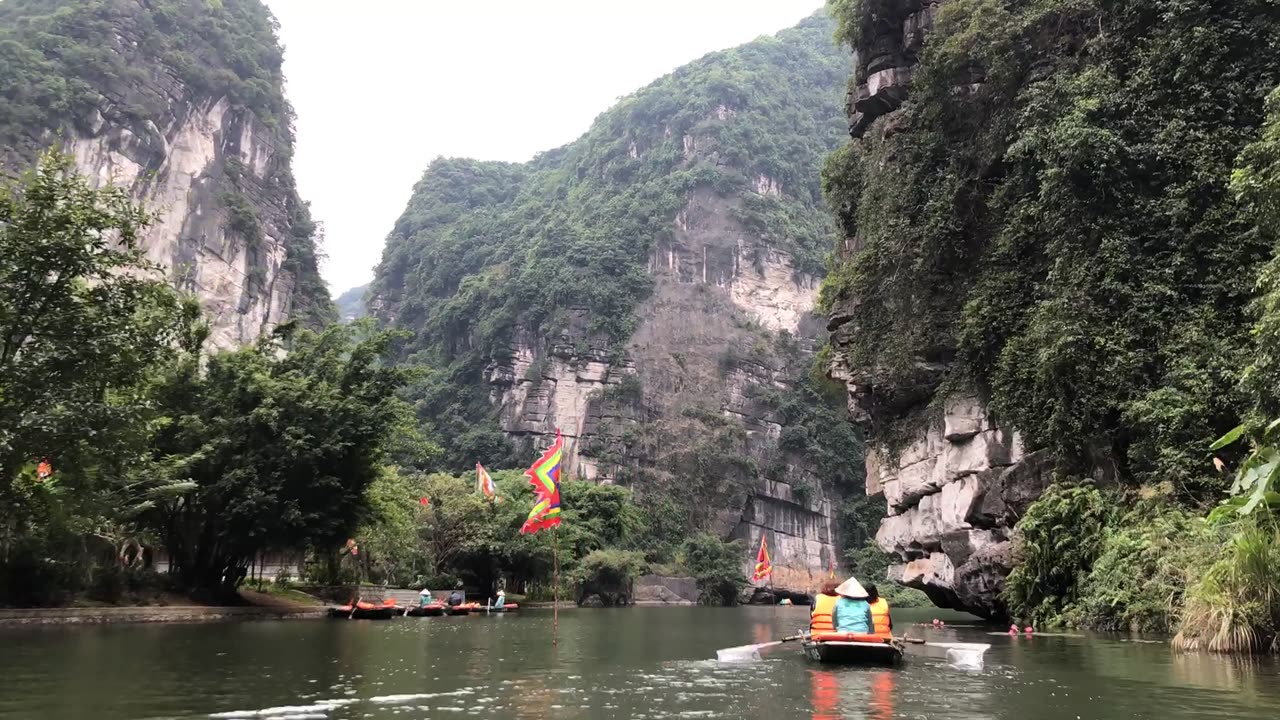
{"x":623,"y":663}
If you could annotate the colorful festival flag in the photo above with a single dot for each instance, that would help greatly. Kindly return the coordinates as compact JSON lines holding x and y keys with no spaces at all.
{"x":485,"y":482}
{"x":424,"y":501}
{"x":43,"y":470}
{"x":832,"y":574}
{"x":544,"y":476}
{"x":764,"y":568}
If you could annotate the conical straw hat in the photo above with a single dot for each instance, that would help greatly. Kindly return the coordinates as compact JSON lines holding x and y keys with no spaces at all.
{"x":851,"y":588}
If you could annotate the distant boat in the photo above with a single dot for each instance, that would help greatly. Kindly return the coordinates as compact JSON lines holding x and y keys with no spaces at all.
{"x":435,"y":609}
{"x":508,"y":607}
{"x":363,"y":611}
{"x":464,"y":608}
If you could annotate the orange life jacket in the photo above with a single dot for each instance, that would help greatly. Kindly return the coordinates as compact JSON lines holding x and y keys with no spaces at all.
{"x":880,"y":617}
{"x":820,"y":616}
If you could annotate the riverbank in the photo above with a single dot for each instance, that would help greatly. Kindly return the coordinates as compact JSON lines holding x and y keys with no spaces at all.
{"x":169,"y":614}
{"x":258,"y":606}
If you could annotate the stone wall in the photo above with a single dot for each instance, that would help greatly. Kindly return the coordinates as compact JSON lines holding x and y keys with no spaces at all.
{"x":665,"y":590}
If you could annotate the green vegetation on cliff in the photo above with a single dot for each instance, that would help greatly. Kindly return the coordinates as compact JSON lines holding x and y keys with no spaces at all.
{"x":66,"y":60}
{"x":1052,"y":216}
{"x":1072,"y":241}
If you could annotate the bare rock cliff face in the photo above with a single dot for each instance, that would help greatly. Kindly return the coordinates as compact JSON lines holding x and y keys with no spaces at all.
{"x":182,"y":169}
{"x":181,"y":103}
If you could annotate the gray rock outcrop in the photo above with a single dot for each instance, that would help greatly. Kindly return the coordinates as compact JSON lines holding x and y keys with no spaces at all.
{"x":953,"y":496}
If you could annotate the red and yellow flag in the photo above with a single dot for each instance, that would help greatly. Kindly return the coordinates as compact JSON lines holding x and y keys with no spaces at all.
{"x":544,"y":476}
{"x":485,"y":482}
{"x":832,"y":574}
{"x":764,"y":568}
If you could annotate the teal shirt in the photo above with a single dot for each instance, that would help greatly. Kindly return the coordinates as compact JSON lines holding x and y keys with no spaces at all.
{"x":852,"y":616}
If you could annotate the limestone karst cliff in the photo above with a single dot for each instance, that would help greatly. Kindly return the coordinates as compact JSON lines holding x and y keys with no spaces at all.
{"x":181,"y":102}
{"x":1039,"y":276}
{"x":648,"y":290}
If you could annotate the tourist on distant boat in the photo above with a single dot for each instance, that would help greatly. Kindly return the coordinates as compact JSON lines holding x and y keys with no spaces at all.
{"x":881,"y":622}
{"x":424,"y":597}
{"x":455,"y":598}
{"x":501,"y":599}
{"x":852,"y":614}
{"x":823,"y":604}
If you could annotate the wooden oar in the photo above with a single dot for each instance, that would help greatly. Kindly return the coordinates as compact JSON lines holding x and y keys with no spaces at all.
{"x":354,"y":606}
{"x":750,"y":652}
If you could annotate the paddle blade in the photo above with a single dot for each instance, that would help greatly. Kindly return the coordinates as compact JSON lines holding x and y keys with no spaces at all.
{"x":965,"y":658}
{"x":744,"y":653}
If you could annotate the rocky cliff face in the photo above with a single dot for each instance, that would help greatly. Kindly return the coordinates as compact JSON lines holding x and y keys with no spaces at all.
{"x":648,"y":290}
{"x":960,"y":481}
{"x":706,"y":342}
{"x":209,"y":161}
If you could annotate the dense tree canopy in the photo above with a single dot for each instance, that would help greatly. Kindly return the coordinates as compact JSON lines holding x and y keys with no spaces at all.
{"x":83,"y":323}
{"x":281,"y":447}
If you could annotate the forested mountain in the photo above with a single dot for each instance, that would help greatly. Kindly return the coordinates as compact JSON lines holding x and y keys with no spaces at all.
{"x":181,"y":102}
{"x":1056,"y":235}
{"x":647,"y":290}
{"x":351,"y":304}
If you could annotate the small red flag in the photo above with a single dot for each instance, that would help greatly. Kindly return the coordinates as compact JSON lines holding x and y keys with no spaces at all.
{"x":764,"y":567}
{"x":424,"y":501}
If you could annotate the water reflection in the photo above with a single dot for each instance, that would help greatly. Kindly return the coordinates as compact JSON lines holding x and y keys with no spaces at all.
{"x":881,"y":703}
{"x":825,"y":695}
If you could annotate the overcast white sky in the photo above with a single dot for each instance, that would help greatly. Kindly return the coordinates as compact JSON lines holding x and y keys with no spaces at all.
{"x":383,"y":86}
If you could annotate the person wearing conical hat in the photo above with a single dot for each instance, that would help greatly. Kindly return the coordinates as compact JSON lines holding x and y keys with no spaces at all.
{"x":852,"y":613}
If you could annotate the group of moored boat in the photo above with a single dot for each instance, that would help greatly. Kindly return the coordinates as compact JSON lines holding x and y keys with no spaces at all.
{"x":389,"y":609}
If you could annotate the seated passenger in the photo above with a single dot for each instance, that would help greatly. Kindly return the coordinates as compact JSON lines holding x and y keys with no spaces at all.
{"x":881,"y":622}
{"x":820,"y":616}
{"x":852,"y":613}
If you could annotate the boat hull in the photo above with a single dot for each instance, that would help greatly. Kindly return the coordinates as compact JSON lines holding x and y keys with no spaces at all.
{"x":427,"y":611}
{"x":853,"y":653}
{"x":489,"y":610}
{"x":380,"y":613}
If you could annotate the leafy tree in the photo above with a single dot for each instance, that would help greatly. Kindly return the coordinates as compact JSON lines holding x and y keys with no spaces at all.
{"x":281,"y":448}
{"x":1057,"y":542}
{"x":83,"y":322}
{"x":609,"y":574}
{"x":717,"y":567}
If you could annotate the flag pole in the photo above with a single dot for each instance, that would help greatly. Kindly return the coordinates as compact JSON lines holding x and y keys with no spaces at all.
{"x":555,"y":604}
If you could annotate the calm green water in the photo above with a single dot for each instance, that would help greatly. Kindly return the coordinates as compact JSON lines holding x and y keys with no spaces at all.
{"x":626,"y":663}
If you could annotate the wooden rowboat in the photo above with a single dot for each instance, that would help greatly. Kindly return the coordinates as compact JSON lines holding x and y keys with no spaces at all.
{"x":509,"y":607}
{"x":435,"y":609}
{"x":848,"y":649}
{"x":465,"y":608}
{"x":363,"y":611}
